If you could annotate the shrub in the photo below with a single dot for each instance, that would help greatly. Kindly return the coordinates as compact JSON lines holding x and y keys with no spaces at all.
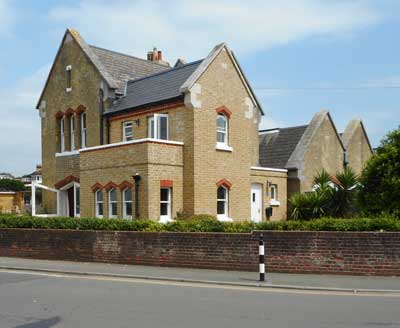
{"x":380,"y":179}
{"x":205,"y":224}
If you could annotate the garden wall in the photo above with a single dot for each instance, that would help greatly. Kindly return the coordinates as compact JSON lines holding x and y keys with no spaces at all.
{"x":361,"y":253}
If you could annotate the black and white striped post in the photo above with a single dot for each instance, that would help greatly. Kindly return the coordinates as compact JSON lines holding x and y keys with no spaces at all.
{"x":261,"y":257}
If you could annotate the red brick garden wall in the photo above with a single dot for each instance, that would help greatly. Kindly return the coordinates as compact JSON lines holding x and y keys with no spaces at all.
{"x":322,"y":252}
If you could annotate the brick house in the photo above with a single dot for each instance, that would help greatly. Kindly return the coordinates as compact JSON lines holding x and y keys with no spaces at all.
{"x":133,"y":138}
{"x":307,"y":149}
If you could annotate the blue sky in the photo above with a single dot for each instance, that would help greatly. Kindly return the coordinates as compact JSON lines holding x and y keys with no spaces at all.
{"x":300,"y":56}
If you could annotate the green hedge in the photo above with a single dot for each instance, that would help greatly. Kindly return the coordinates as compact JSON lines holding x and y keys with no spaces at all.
{"x":200,"y":224}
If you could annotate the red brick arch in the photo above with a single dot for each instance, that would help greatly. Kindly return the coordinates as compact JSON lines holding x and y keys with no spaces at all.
{"x":224,"y":182}
{"x":224,"y":110}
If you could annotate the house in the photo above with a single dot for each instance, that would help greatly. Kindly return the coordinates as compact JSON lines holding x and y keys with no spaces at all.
{"x":35,"y":176}
{"x":11,"y":201}
{"x":135,"y":138}
{"x":307,"y":149}
{"x":5,"y":175}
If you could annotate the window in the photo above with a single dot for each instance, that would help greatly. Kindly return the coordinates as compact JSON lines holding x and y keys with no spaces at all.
{"x":127,"y":203}
{"x":158,"y":126}
{"x":222,"y":130}
{"x":112,"y":204}
{"x":72,"y":130}
{"x":69,"y":78}
{"x":127,"y":131}
{"x":62,"y":134}
{"x":83,"y":130}
{"x":274,"y":192}
{"x":99,"y":204}
{"x":77,"y":198}
{"x":165,"y":204}
{"x":222,"y":203}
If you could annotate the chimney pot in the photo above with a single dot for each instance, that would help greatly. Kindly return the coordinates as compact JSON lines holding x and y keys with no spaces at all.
{"x":159,"y":53}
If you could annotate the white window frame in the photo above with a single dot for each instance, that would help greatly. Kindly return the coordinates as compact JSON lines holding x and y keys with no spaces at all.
{"x":223,"y":131}
{"x":76,"y":212}
{"x":97,"y":202}
{"x":72,"y":132}
{"x":83,"y":130}
{"x":69,"y":76}
{"x":153,"y":126}
{"x":62,"y":134}
{"x":125,"y":136}
{"x":274,"y":195}
{"x":124,"y":202}
{"x":224,"y":216}
{"x":110,"y":202}
{"x":166,"y":218}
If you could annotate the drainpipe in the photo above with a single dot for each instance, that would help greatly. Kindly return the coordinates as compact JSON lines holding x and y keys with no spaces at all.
{"x":137,"y":178}
{"x":101,"y":95}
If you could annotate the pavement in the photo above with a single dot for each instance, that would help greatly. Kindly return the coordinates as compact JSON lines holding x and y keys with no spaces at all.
{"x":341,"y":283}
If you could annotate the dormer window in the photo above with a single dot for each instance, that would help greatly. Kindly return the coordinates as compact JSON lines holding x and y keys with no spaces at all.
{"x":68,"y":70}
{"x":158,"y":126}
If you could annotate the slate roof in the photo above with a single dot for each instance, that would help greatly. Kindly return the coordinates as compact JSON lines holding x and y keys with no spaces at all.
{"x":155,"y":88}
{"x":277,"y":145}
{"x":122,"y":67}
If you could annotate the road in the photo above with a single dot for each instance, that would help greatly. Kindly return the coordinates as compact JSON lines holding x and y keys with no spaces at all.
{"x":42,"y":301}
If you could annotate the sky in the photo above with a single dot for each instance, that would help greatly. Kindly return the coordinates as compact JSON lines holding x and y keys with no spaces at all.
{"x":300,"y":56}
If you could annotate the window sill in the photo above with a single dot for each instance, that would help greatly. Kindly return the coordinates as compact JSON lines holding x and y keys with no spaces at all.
{"x":223,"y":147}
{"x":68,"y":153}
{"x":274,"y":202}
{"x":224,"y":218}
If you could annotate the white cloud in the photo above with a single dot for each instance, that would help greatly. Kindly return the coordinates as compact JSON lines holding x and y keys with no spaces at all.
{"x":190,"y":28}
{"x":21,"y":124}
{"x":6,"y":17}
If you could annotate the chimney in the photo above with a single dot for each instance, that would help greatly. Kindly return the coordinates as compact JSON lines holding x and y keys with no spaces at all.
{"x":156,"y":56}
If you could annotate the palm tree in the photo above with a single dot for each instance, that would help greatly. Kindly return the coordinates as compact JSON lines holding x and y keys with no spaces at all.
{"x":345,"y":191}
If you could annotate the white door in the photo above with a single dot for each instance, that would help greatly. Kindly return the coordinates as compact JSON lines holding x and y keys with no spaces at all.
{"x":256,"y":202}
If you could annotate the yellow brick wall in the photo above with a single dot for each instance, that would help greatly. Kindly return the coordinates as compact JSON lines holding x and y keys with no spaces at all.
{"x":85,"y":89}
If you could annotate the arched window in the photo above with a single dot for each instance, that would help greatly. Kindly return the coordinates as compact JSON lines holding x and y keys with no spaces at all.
{"x":99,"y":204}
{"x":222,"y":202}
{"x":72,"y":132}
{"x":112,"y":204}
{"x":222,"y":130}
{"x":62,"y":134}
{"x":83,"y":130}
{"x":127,"y":203}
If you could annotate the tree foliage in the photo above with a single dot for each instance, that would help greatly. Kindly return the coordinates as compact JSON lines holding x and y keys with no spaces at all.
{"x":11,"y":185}
{"x":380,"y":179}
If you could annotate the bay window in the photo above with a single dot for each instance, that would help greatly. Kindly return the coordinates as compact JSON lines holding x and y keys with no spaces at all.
{"x":112,"y":204}
{"x":99,"y":204}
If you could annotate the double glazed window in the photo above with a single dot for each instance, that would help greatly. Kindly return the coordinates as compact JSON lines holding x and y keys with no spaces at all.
{"x":127,"y":203}
{"x":127,"y":131}
{"x":112,"y":204}
{"x":222,"y":202}
{"x":72,"y":132}
{"x":222,"y":130}
{"x":99,"y":204}
{"x":158,"y":126}
{"x":165,"y":204}
{"x":83,"y":130}
{"x":62,"y":134}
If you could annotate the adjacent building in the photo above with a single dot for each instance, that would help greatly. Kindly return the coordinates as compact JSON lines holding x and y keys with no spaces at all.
{"x":35,"y":176}
{"x":307,"y":149}
{"x":135,"y":138}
